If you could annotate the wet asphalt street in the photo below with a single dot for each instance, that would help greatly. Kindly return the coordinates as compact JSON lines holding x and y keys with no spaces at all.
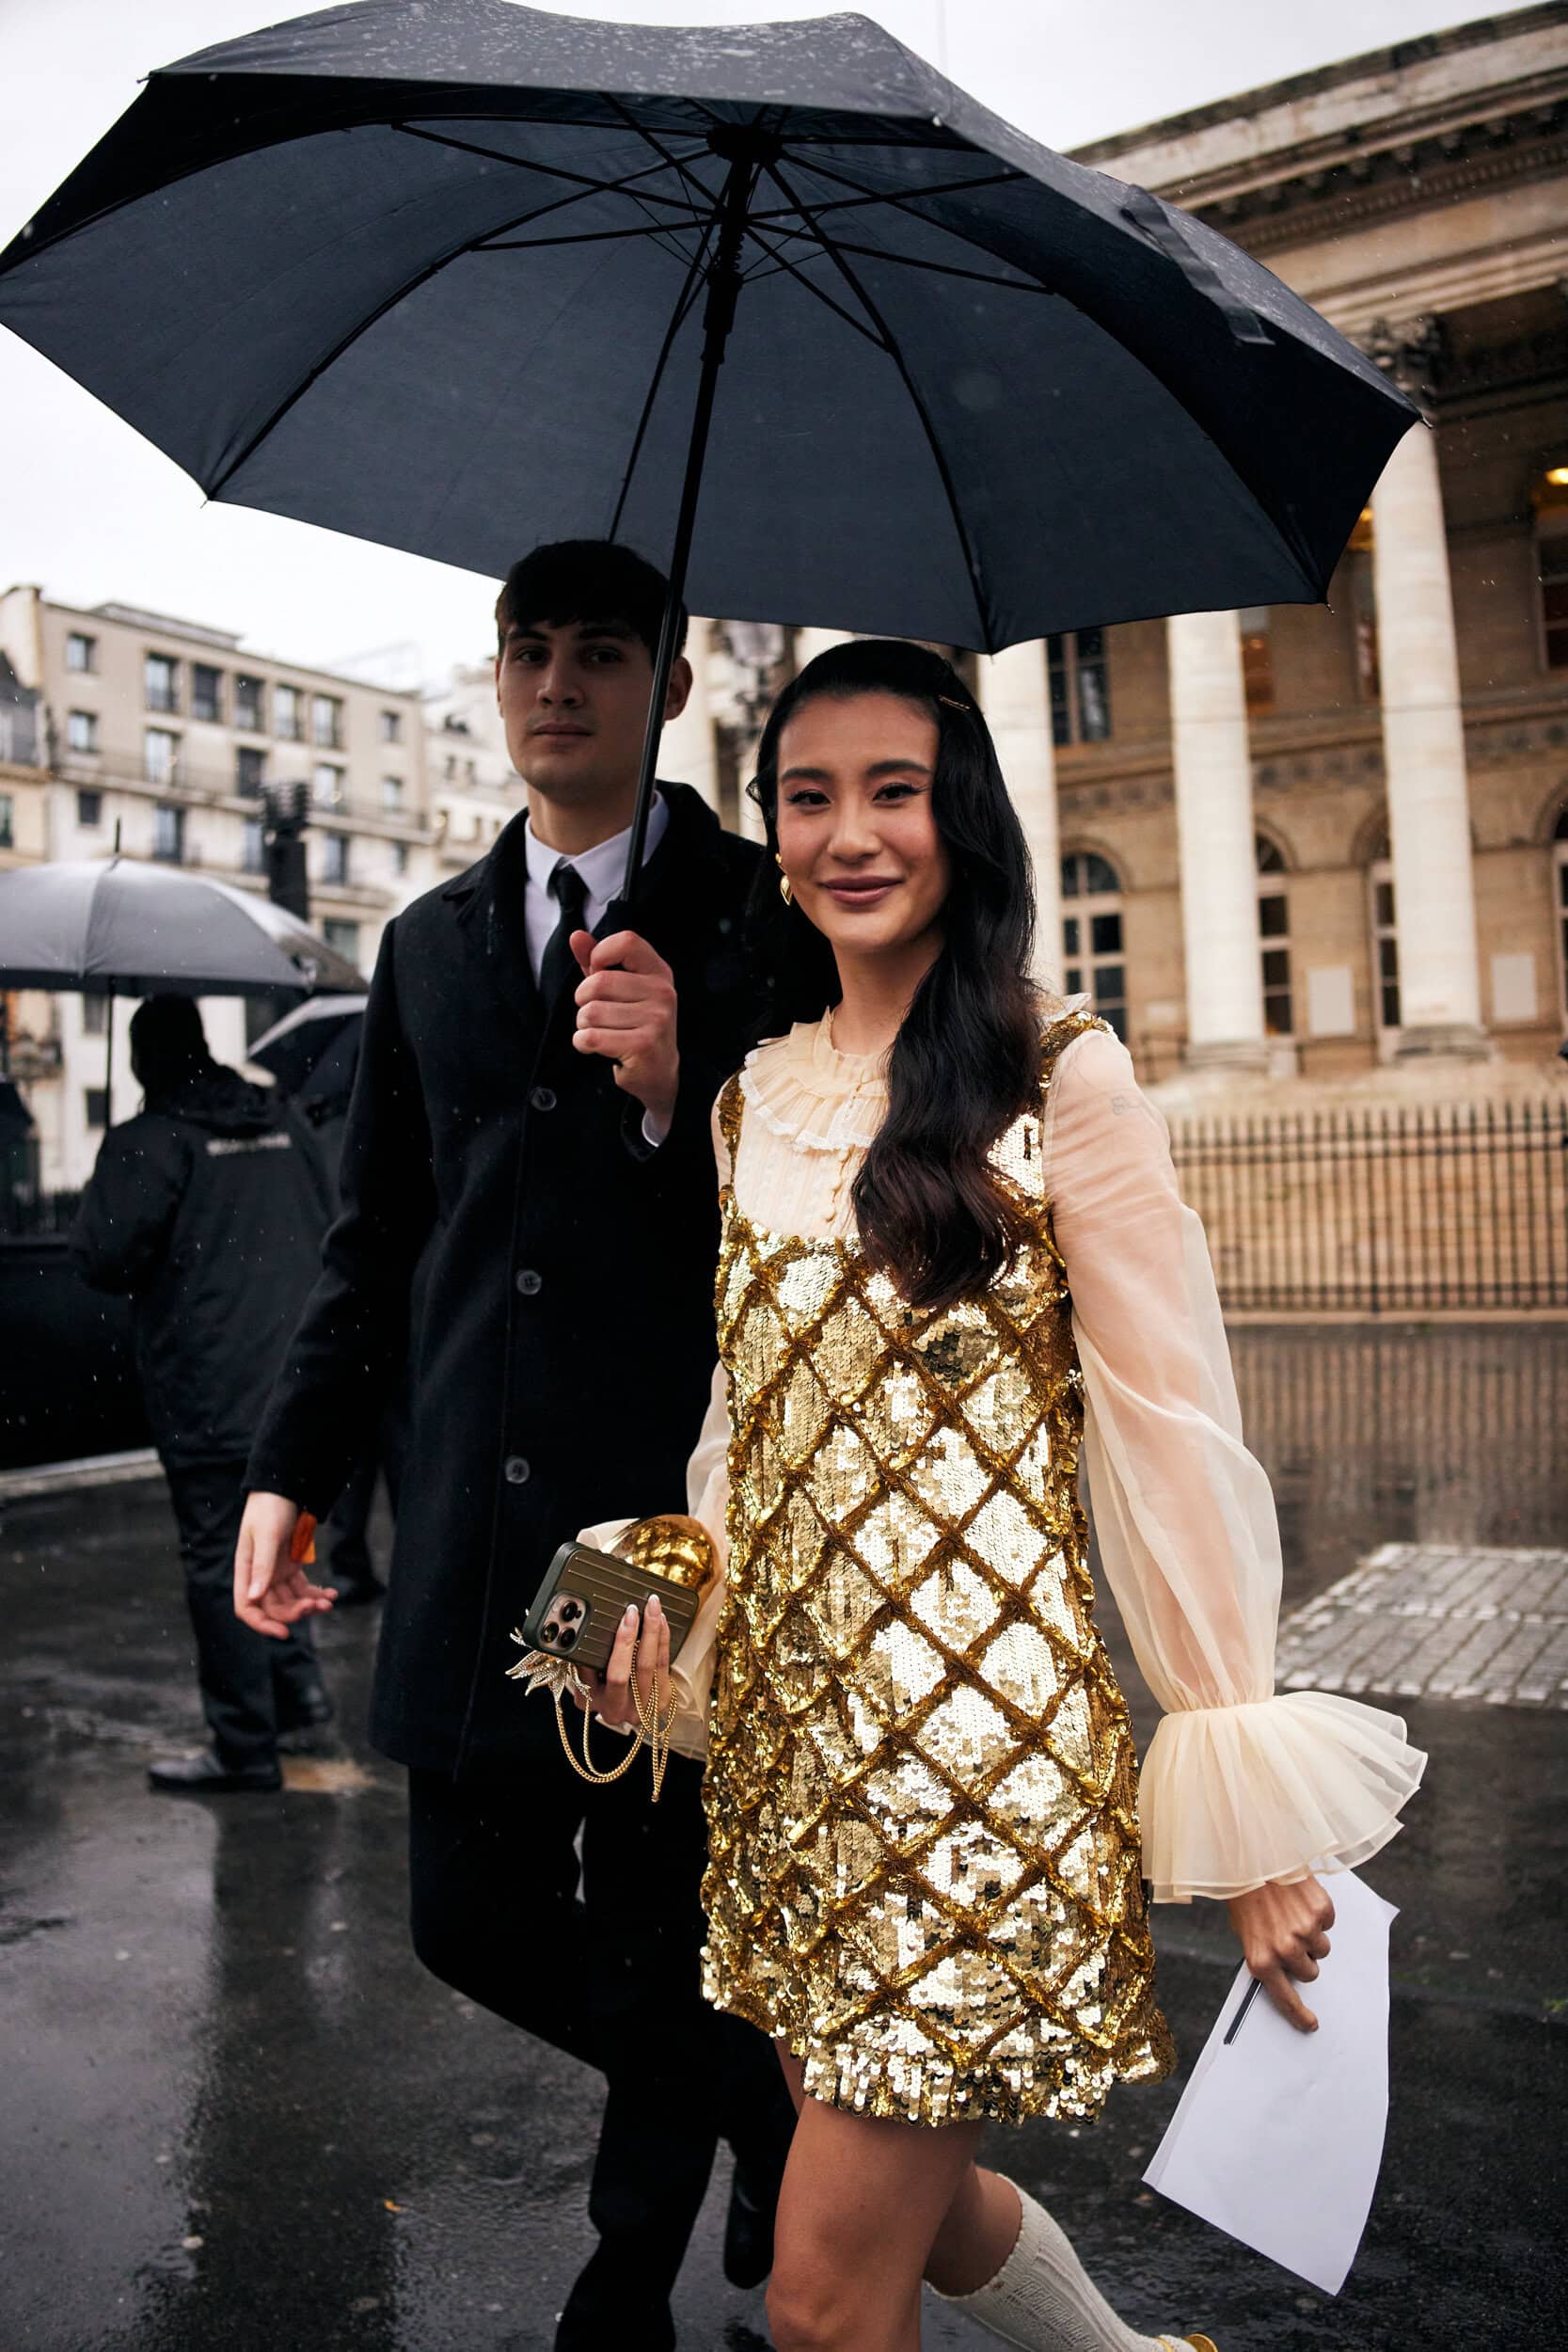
{"x":235,"y":2116}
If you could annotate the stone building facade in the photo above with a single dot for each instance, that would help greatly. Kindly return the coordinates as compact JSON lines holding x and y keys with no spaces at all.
{"x":1316,"y":840}
{"x":164,"y":735}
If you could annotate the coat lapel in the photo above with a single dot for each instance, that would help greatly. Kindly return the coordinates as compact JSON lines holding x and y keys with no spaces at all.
{"x":487,"y":903}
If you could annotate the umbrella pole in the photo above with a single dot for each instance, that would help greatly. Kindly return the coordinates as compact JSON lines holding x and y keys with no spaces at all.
{"x":109,"y":1064}
{"x":723,"y":291}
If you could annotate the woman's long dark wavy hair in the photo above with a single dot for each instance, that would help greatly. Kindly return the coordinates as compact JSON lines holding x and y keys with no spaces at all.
{"x":930,"y":1208}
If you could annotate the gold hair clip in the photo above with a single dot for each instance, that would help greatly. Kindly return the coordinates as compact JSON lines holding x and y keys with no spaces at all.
{"x":953,"y":703}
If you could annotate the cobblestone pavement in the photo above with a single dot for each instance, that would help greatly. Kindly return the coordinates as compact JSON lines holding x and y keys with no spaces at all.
{"x":1438,"y":1621}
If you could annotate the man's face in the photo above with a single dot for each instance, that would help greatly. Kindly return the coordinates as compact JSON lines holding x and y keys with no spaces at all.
{"x":573,"y":701}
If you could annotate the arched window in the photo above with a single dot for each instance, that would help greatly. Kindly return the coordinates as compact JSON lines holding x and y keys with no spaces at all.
{"x":1274,"y":925}
{"x":1550,"y":500}
{"x":1093,"y":960}
{"x":1559,"y":881}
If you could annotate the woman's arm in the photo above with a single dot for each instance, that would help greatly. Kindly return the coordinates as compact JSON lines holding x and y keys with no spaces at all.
{"x":1242,"y":1791}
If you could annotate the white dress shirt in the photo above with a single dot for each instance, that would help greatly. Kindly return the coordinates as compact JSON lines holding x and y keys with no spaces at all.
{"x":602,"y":869}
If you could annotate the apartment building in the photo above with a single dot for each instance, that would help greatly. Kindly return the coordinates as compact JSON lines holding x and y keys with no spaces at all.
{"x":162,"y":737}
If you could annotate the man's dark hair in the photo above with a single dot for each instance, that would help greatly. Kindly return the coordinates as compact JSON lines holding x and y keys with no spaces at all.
{"x":167,"y":1042}
{"x":586,"y":580}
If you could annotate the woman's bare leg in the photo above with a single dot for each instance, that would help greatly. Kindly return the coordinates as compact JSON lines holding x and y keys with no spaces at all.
{"x":863,"y":2201}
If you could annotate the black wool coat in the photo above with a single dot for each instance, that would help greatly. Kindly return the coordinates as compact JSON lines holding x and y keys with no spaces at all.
{"x":507,"y":1232}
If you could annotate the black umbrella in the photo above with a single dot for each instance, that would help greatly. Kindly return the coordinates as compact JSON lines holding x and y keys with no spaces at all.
{"x":461,"y":277}
{"x":318,"y":1040}
{"x":112,"y":926}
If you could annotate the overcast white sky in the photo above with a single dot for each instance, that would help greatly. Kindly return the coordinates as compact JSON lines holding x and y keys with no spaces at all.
{"x":92,"y":511}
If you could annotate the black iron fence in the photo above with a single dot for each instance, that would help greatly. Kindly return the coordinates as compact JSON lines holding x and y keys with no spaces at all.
{"x":1394,"y":1209}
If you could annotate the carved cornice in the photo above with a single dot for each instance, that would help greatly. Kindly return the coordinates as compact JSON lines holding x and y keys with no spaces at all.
{"x":1365,"y":185}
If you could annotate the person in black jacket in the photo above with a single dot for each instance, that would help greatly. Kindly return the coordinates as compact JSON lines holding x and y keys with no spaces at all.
{"x":209,"y":1209}
{"x":529,"y":1158}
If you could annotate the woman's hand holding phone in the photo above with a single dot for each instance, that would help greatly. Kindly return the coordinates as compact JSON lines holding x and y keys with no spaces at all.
{"x":610,"y":1695}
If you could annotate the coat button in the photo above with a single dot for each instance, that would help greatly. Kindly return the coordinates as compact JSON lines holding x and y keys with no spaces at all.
{"x":543,"y":1098}
{"x":516,"y":1470}
{"x":530,"y":1283}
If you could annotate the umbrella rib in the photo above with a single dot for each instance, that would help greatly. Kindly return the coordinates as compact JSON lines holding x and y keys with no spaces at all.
{"x":362,"y":326}
{"x":947,"y":269}
{"x":661,"y":229}
{"x":677,"y":163}
{"x":695,"y":278}
{"x":583,"y":182}
{"x":933,"y":443}
{"x":920,"y":195}
{"x":781,"y":262}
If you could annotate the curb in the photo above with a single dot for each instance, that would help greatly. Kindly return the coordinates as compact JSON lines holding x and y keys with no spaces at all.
{"x":93,"y":1470}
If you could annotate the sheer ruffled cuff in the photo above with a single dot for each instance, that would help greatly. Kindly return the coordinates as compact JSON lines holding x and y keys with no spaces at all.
{"x":1306,"y":1782}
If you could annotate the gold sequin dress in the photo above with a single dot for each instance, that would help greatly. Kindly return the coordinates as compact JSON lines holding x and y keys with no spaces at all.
{"x":924,"y":1862}
{"x":925,"y":1869}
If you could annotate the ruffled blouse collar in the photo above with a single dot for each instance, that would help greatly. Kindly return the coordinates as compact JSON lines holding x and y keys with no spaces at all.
{"x":811,"y":1096}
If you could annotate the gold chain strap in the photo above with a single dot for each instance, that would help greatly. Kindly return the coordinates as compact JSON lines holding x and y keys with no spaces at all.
{"x":653,"y":1733}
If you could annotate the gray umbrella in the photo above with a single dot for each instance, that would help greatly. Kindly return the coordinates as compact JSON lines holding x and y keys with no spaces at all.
{"x":114,"y":928}
{"x":462,"y":277}
{"x":319,"y":1040}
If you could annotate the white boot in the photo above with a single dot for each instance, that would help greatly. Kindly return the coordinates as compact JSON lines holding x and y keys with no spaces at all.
{"x":1042,"y":2299}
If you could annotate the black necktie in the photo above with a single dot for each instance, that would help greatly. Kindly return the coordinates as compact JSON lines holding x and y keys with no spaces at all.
{"x":559,"y":967}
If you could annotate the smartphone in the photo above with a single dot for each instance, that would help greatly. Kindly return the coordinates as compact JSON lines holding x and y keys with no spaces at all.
{"x":576,"y":1611}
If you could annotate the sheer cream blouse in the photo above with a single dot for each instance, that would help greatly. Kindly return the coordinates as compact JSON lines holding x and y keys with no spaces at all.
{"x":1240,"y":1784}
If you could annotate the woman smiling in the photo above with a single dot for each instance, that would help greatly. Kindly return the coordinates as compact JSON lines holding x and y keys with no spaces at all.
{"x":954,"y":1264}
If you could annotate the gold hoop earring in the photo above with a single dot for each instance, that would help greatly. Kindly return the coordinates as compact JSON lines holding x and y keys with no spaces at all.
{"x":785,"y":891}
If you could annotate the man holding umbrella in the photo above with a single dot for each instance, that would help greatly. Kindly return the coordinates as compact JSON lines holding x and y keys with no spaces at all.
{"x":526,"y":1175}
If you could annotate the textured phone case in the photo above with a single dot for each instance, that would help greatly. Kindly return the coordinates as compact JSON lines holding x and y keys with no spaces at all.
{"x":605,"y":1585}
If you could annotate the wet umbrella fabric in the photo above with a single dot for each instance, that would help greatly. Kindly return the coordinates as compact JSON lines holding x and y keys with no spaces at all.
{"x":442,"y":278}
{"x":317,"y":1038}
{"x":115,"y":927}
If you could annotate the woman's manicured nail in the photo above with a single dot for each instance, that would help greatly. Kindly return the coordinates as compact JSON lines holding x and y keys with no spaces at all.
{"x":630,"y":1617}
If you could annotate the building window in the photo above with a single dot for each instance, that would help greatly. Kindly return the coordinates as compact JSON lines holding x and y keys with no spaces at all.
{"x":400,"y":858}
{"x":7,"y":821}
{"x":1559,"y":877}
{"x":344,"y":936}
{"x":97,"y":1100}
{"x":1550,"y":500}
{"x":253,"y":848}
{"x":334,"y":857}
{"x":160,"y":755}
{"x":1386,"y":950}
{"x":81,"y":730}
{"x":247,"y":703}
{"x":89,"y":808}
{"x":288,"y":713}
{"x":326,"y":723}
{"x":391,"y":794}
{"x":1093,"y":960}
{"x":1274,"y":925}
{"x":206,"y":690}
{"x":1080,"y":687}
{"x":81,"y":653}
{"x":1257,"y":657}
{"x":326,"y":785}
{"x":250,"y":771}
{"x":168,"y":834}
{"x":161,"y":681}
{"x":95,"y":1016}
{"x":391,"y":727}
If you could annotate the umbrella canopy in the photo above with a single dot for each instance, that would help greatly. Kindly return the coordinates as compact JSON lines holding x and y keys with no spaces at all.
{"x":320,"y":1036}
{"x":453,"y":277}
{"x":115,"y":927}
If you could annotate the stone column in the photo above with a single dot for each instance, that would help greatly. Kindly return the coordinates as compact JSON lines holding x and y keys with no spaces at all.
{"x":688,"y":752}
{"x":1015,"y":695}
{"x":1424,"y":732}
{"x":1217,"y":858}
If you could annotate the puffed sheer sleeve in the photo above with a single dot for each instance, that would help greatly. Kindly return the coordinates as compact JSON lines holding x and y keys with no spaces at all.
{"x":1240,"y":1786}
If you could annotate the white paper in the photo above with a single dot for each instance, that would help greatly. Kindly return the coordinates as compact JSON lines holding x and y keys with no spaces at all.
{"x":1280,"y":2135}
